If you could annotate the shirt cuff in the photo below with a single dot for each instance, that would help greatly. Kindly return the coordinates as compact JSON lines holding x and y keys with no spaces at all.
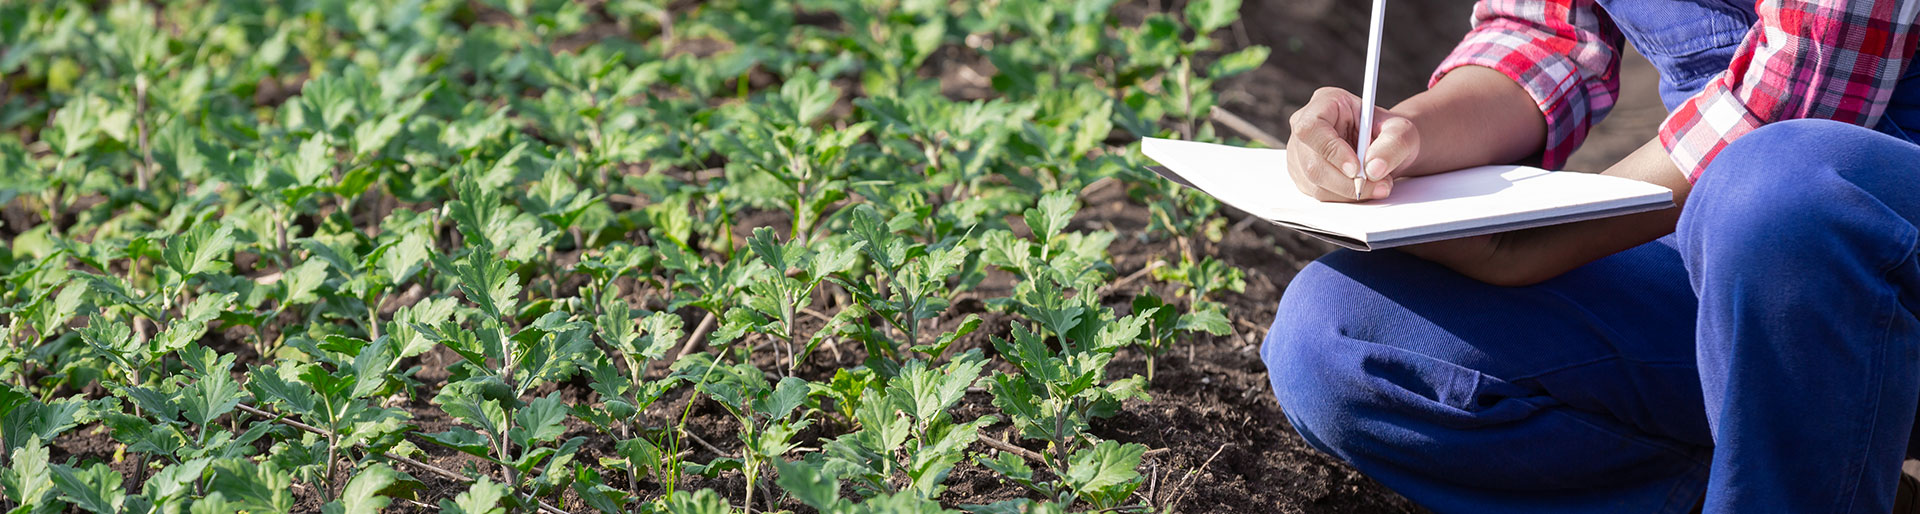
{"x":1696,"y":132}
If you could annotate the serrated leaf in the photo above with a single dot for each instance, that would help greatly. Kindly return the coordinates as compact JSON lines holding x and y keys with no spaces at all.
{"x":1207,"y":320}
{"x":462,"y":439}
{"x":405,"y":257}
{"x":257,"y":486}
{"x":927,"y":393}
{"x":1205,"y":16}
{"x":489,"y":283}
{"x":767,"y":245}
{"x":541,"y":420}
{"x":1104,"y":465}
{"x":483,"y":497}
{"x":268,"y":386}
{"x":805,"y":481}
{"x":1050,"y":217}
{"x":362,"y":493}
{"x":371,"y":367}
{"x":94,"y":489}
{"x":704,"y":501}
{"x":201,"y":249}
{"x":662,"y":330}
{"x":210,"y":397}
{"x":593,"y":490}
{"x":303,"y":280}
{"x":313,"y":162}
{"x":808,"y":95}
{"x":1239,"y":62}
{"x":789,"y":394}
{"x":29,"y":477}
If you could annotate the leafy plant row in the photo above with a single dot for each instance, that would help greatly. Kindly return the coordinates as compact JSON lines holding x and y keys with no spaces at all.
{"x":261,"y":245}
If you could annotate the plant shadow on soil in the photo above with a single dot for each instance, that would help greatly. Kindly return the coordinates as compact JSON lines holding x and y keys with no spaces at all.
{"x":1221,"y":443}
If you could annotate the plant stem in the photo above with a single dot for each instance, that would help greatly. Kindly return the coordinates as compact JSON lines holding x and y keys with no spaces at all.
{"x":140,"y":119}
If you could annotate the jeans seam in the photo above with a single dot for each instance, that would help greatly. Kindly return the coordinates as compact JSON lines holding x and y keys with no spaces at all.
{"x":1877,"y":380}
{"x":1590,"y":362}
{"x":1649,"y":440}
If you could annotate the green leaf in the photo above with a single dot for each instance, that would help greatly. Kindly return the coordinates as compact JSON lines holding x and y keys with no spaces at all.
{"x":462,"y":439}
{"x":662,"y":330}
{"x":808,"y":95}
{"x":927,"y":393}
{"x":303,"y":280}
{"x":268,"y":386}
{"x":362,"y":495}
{"x":371,"y":367}
{"x":1211,"y":321}
{"x":202,"y":249}
{"x":542,"y":420}
{"x":213,"y":395}
{"x":29,"y":479}
{"x":704,"y":501}
{"x":1238,"y":62}
{"x":405,"y":257}
{"x":488,"y":283}
{"x":186,"y":330}
{"x":94,"y":489}
{"x":257,"y":486}
{"x":313,"y":162}
{"x":111,"y":338}
{"x":593,"y":490}
{"x":483,"y":497}
{"x":1048,"y":219}
{"x":1208,"y":15}
{"x":1106,"y":464}
{"x":31,"y":419}
{"x":806,"y":482}
{"x":790,"y":393}
{"x":766,"y":245}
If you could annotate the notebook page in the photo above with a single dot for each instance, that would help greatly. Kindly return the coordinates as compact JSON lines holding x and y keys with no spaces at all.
{"x":1255,"y":180}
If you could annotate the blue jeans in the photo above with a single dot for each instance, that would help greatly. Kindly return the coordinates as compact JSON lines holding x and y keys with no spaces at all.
{"x":1765,"y":358}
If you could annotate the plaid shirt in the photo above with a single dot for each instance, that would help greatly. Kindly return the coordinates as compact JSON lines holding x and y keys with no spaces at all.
{"x":1831,"y":59}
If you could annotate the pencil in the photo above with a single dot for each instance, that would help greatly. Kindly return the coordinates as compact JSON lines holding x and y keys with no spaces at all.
{"x":1368,"y":93}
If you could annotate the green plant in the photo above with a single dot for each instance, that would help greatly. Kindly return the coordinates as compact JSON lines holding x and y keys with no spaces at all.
{"x":766,"y":413}
{"x":259,"y":244}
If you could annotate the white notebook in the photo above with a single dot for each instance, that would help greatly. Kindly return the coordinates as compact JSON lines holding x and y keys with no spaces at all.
{"x":1469,"y":202}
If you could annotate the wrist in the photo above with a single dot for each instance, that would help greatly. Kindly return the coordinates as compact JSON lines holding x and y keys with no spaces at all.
{"x":1475,"y":116}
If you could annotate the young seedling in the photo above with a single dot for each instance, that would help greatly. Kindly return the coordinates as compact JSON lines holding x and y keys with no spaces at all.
{"x":1165,"y":323}
{"x":907,"y":435}
{"x":913,"y":288}
{"x":769,"y":415}
{"x":793,"y":270}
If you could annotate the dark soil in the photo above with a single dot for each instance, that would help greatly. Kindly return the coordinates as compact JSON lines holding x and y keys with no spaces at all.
{"x":1220,"y":442}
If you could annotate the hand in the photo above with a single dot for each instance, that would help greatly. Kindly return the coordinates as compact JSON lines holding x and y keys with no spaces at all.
{"x":1321,"y":158}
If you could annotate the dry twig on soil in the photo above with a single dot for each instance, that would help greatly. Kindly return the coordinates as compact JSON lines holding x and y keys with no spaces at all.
{"x":1245,"y":128}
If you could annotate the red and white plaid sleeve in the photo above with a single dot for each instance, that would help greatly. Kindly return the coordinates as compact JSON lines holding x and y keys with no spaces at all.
{"x":1833,"y":59}
{"x":1565,"y":53}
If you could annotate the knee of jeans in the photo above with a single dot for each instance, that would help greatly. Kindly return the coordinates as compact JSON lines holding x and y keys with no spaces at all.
{"x":1758,"y":187}
{"x":1304,"y":351}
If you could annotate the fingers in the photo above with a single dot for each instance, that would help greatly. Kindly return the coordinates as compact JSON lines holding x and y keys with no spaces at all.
{"x":1326,"y":126}
{"x":1312,"y":175}
{"x":1322,"y":162}
{"x":1395,"y":145}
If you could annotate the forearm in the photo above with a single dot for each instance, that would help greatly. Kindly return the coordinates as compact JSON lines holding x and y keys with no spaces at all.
{"x":1550,"y":251}
{"x":1473,"y":116}
{"x":1531,"y":256}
